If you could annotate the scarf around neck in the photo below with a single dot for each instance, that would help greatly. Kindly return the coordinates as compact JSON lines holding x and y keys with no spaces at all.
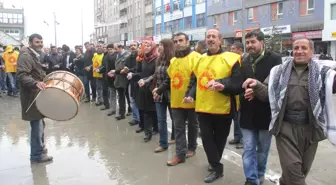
{"x":183,"y":53}
{"x":320,"y":83}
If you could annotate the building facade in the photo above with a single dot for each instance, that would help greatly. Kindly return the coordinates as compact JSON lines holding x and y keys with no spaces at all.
{"x":12,"y":22}
{"x":121,"y":21}
{"x":288,"y":18}
{"x":188,"y":16}
{"x":329,"y":31}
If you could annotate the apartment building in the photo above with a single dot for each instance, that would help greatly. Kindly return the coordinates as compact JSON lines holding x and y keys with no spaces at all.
{"x":121,"y":21}
{"x":12,"y":22}
{"x":188,"y":16}
{"x":329,"y":31}
{"x":289,"y":18}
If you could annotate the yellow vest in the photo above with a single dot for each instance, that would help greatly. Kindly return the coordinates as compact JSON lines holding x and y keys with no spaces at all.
{"x":10,"y":61}
{"x":97,"y":61}
{"x":209,"y":68}
{"x":179,"y":71}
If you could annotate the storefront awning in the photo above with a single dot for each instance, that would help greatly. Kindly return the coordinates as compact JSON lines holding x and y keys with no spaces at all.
{"x":309,"y":26}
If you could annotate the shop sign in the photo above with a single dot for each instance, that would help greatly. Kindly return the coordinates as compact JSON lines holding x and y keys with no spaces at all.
{"x":308,"y":35}
{"x":277,"y":30}
{"x":239,"y":32}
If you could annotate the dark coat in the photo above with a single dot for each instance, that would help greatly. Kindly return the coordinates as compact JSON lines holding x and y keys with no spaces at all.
{"x":122,"y":61}
{"x":64,"y":64}
{"x":144,"y":99}
{"x":256,"y":114}
{"x":108,"y":65}
{"x":88,"y":61}
{"x":29,"y":72}
{"x":78,"y":66}
{"x":132,"y":69}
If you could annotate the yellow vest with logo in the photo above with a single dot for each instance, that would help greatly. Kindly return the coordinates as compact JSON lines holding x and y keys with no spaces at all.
{"x":179,"y":71}
{"x":209,"y":68}
{"x":97,"y":61}
{"x":10,"y":61}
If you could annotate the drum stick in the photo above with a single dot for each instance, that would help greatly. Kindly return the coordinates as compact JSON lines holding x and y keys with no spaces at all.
{"x":33,"y":101}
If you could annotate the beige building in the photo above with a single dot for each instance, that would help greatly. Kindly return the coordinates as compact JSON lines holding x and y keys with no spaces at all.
{"x":123,"y":20}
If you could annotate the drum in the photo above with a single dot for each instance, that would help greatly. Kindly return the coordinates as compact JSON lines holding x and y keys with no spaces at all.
{"x":60,"y":99}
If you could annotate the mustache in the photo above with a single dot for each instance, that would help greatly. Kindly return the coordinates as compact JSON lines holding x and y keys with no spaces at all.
{"x":211,"y":42}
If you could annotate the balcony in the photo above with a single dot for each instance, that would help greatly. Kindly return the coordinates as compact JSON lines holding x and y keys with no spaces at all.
{"x":123,"y":12}
{"x":122,"y":4}
{"x":149,"y":9}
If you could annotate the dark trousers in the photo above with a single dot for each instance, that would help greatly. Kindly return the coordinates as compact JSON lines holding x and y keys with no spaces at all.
{"x":296,"y":152}
{"x":180,"y":117}
{"x":90,"y":82}
{"x":106,"y":94}
{"x":121,"y":101}
{"x":128,"y":100}
{"x":148,"y":121}
{"x":214,"y":131}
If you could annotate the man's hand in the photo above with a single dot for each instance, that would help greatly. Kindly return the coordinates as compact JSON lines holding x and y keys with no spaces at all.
{"x":41,"y":85}
{"x":155,"y":95}
{"x":249,"y":94}
{"x":56,"y":66}
{"x":15,"y":64}
{"x":215,"y":86}
{"x":97,"y":70}
{"x":2,"y":66}
{"x":126,"y":69}
{"x":188,"y":100}
{"x":87,"y":68}
{"x":249,"y":83}
{"x":129,"y":76}
{"x":141,"y":83}
{"x":110,"y":74}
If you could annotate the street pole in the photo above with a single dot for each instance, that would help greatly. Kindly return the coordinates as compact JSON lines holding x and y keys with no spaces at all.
{"x":55,"y":23}
{"x":82,"y":26}
{"x":243,"y":24}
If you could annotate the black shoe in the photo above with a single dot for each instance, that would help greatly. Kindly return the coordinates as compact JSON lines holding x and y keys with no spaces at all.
{"x":133,"y":123}
{"x":233,"y":142}
{"x":111,"y":113}
{"x":212,"y":177}
{"x":93,"y":100}
{"x":104,"y":108}
{"x":239,"y":146}
{"x":249,"y":182}
{"x":120,"y":117}
{"x":147,"y":138}
{"x":139,"y":130}
{"x":99,"y":104}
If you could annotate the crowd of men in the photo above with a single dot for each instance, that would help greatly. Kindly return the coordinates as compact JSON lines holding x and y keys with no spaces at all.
{"x":204,"y":89}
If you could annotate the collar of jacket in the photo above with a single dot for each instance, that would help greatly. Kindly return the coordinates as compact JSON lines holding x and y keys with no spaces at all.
{"x":218,"y":52}
{"x":34,"y":52}
{"x":182,"y":54}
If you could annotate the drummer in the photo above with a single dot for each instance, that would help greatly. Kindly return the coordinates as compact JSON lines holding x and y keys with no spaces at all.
{"x":30,"y":76}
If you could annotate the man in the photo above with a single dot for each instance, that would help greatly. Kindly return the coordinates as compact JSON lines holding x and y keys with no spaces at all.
{"x":218,"y":82}
{"x":31,"y":75}
{"x":109,"y":91}
{"x":132,"y":87}
{"x":10,"y":58}
{"x":55,"y":60}
{"x":298,"y":89}
{"x":89,"y":81}
{"x":68,"y":57}
{"x":237,"y":48}
{"x":97,"y":61}
{"x":121,"y":82}
{"x":255,"y":115}
{"x":179,"y":72}
{"x":201,"y":47}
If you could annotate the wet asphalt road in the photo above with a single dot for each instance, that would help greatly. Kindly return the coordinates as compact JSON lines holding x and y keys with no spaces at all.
{"x":93,"y":149}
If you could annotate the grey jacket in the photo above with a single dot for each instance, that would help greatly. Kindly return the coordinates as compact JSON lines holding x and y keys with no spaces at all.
{"x":122,"y":61}
{"x":29,"y":72}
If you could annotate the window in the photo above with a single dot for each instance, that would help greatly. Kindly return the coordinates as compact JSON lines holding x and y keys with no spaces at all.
{"x":187,"y":3}
{"x":200,"y":18}
{"x":167,"y":7}
{"x":158,"y":29}
{"x":214,"y":19}
{"x":5,"y":19}
{"x":200,"y":1}
{"x":333,"y":11}
{"x":187,"y":22}
{"x":158,"y":11}
{"x":176,"y":5}
{"x":235,"y":16}
{"x":250,"y":13}
{"x":310,"y":6}
{"x":280,"y":10}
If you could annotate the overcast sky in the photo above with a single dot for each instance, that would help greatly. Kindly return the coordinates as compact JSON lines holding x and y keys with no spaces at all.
{"x":68,"y":14}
